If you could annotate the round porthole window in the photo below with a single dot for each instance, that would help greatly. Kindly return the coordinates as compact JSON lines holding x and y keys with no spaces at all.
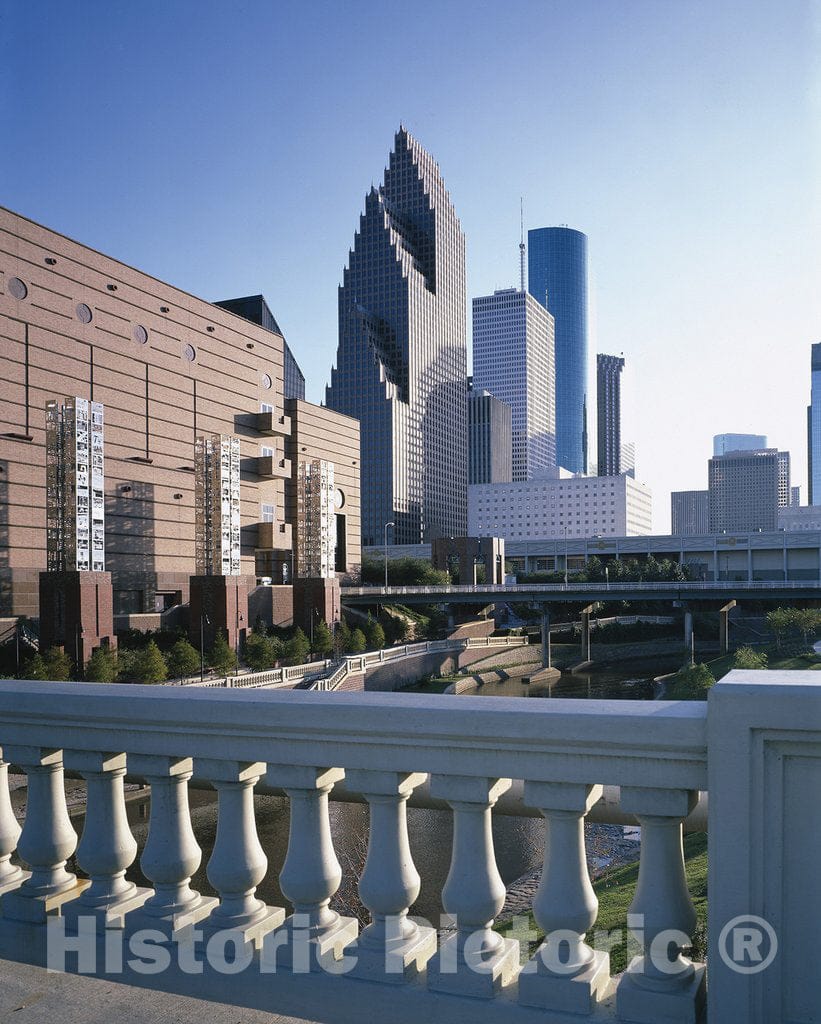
{"x":339,"y":498}
{"x":140,"y":334}
{"x":17,"y":289}
{"x":267,"y":383}
{"x":189,"y":353}
{"x":83,"y":313}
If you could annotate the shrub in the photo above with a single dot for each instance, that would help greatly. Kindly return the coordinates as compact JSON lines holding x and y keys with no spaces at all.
{"x":183,"y":660}
{"x":691,"y":682}
{"x":102,"y":666}
{"x":746,"y":657}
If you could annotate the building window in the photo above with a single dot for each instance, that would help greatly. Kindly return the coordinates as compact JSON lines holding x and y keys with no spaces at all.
{"x":266,"y":513}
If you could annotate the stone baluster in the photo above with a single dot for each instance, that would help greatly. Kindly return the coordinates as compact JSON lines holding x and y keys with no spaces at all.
{"x":476,"y":961}
{"x":314,"y":935}
{"x":47,"y":839}
{"x":392,"y":948}
{"x":11,"y":876}
{"x":662,"y":984}
{"x":171,"y":854}
{"x":564,"y":974}
{"x":238,"y":863}
{"x":107,"y":848}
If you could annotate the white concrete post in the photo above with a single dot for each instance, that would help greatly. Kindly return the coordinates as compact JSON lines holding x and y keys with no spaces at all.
{"x":661,"y":984}
{"x":475,"y":961}
{"x":565,"y":973}
{"x":171,"y":854}
{"x":11,"y":876}
{"x":391,"y":948}
{"x":311,"y":873}
{"x":238,"y":863}
{"x":107,"y":848}
{"x":47,"y":839}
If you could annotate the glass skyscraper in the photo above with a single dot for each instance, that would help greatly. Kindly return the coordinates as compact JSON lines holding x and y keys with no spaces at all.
{"x":814,"y":430}
{"x":557,"y":277}
{"x":401,"y":365}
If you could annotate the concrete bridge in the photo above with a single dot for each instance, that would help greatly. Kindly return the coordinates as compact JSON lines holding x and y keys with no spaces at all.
{"x":755,"y":747}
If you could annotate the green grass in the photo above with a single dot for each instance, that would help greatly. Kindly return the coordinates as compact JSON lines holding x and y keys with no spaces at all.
{"x":787,"y":660}
{"x":615,"y":891}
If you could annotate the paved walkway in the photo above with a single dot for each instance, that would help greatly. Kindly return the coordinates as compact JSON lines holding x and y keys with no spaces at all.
{"x":32,"y":995}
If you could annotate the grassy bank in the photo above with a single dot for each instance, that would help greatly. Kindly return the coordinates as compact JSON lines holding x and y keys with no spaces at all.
{"x":615,"y":891}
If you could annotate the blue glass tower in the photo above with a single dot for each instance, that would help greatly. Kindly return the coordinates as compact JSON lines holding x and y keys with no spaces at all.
{"x":557,"y":277}
{"x":814,"y":430}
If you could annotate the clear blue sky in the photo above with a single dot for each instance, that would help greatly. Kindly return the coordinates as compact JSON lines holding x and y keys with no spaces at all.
{"x":227,"y":148}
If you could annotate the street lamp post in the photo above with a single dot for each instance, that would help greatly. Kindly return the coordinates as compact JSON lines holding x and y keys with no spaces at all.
{"x":386,"y":551}
{"x":607,"y":577}
{"x":565,"y":556}
{"x":203,"y":619}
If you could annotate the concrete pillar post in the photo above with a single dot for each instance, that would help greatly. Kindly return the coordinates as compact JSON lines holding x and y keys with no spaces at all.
{"x":724,"y":627}
{"x":11,"y":876}
{"x":547,"y":654}
{"x":586,"y":613}
{"x":689,"y":648}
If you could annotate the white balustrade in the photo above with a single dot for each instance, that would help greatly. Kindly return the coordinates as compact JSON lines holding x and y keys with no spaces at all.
{"x":661,"y":984}
{"x":171,"y":855}
{"x":314,"y":934}
{"x":107,"y":848}
{"x":476,"y":961}
{"x":565,"y":973}
{"x":12,"y":876}
{"x":47,"y":840}
{"x":238,"y":863}
{"x":392,"y":948}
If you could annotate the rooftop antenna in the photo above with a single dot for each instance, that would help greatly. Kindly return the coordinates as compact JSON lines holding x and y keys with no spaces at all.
{"x":521,"y":244}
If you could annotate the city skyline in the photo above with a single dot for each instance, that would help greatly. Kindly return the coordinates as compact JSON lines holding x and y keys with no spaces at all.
{"x":701,"y":261}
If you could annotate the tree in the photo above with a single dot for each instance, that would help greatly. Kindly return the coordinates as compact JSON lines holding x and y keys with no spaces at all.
{"x":323,"y":641}
{"x":342,"y":638}
{"x":33,"y":668}
{"x":691,"y":682}
{"x":297,"y":649}
{"x":780,"y":622}
{"x":374,"y":635}
{"x":806,"y":620}
{"x":102,"y":666}
{"x":746,"y":657}
{"x":221,"y":658}
{"x":149,"y":665}
{"x":358,"y":643}
{"x":259,"y":651}
{"x":183,"y":660}
{"x":57,"y":665}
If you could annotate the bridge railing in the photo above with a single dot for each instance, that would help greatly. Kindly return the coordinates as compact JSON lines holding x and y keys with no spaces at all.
{"x":486,"y":589}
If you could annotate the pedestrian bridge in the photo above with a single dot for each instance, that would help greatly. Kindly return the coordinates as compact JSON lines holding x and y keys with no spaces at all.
{"x":754,"y":747}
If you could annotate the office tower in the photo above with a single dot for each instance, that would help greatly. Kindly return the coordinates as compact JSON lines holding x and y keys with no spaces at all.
{"x":490,"y":440}
{"x":724,"y":443}
{"x":557,"y":278}
{"x":513,"y":359}
{"x":256,"y":309}
{"x":608,"y":405}
{"x":814,"y":429}
{"x":690,"y":513}
{"x":628,"y":458}
{"x":401,"y":363}
{"x":795,"y":497}
{"x":747,"y":488}
{"x":598,"y":506}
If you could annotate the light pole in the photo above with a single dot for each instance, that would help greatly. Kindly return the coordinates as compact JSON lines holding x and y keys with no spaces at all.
{"x":565,"y":556}
{"x":240,"y":619}
{"x":203,"y":618}
{"x":386,"y":551}
{"x":607,"y":577}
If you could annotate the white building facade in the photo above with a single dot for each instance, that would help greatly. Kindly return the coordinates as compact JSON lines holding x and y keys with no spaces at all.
{"x":514,"y":359}
{"x":563,"y":506}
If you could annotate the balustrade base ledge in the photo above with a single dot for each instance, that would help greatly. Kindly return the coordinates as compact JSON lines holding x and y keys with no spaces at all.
{"x":109,"y":915}
{"x":252,"y":934}
{"x":290,"y":945}
{"x":480,"y":981}
{"x":171,"y":924}
{"x":14,"y":882}
{"x":396,"y":966}
{"x":638,"y":1005}
{"x":18,"y":906}
{"x":580,"y":993}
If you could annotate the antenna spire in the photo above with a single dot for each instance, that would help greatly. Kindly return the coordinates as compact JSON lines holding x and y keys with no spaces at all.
{"x":521,"y":244}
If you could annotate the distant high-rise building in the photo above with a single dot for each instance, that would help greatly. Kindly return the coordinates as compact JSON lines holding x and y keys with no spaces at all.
{"x":608,"y":404}
{"x":795,"y":497}
{"x":724,"y":443}
{"x":814,"y":429}
{"x":690,"y":513}
{"x":557,"y":277}
{"x":513,"y":360}
{"x":490,"y":438}
{"x":628,"y":458}
{"x":747,"y":488}
{"x":401,"y":364}
{"x":256,"y":309}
